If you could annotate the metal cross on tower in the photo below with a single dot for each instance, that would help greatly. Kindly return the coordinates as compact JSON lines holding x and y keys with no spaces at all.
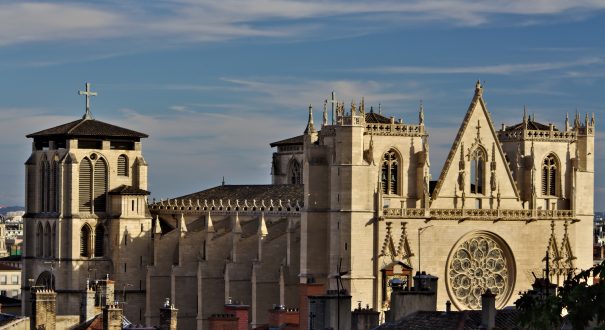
{"x":88,"y":93}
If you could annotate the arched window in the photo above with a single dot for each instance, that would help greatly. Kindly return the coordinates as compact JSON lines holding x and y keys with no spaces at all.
{"x":56,"y":185}
{"x":46,"y":279}
{"x":44,"y":193}
{"x":53,"y":239}
{"x":100,"y":186}
{"x":47,"y":239}
{"x":85,"y":241}
{"x":39,"y":241}
{"x":85,"y":185}
{"x":549,"y":175}
{"x":123,"y":165}
{"x":478,"y":171}
{"x":295,"y":173}
{"x":99,"y":240}
{"x":389,"y":175}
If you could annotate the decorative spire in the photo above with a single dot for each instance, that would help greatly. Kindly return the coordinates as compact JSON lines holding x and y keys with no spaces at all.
{"x":353,"y":108}
{"x":421,"y":114}
{"x":379,"y":109}
{"x":182,"y":225}
{"x":478,"y":88}
{"x":310,"y":128}
{"x":567,"y":121}
{"x":576,"y":123}
{"x":209,"y":223}
{"x":362,"y":106}
{"x":88,"y":94}
{"x":158,"y":229}
{"x":237,"y":226}
{"x":586,"y":120}
{"x":262,"y":226}
{"x":592,"y":120}
{"x":525,"y":115}
{"x":325,"y":113}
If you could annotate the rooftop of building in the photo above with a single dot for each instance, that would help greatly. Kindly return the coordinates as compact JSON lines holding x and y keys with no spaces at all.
{"x":293,"y":192}
{"x":506,"y":319}
{"x":87,"y":127}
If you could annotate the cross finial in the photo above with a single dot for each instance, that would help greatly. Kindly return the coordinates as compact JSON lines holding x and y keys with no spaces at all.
{"x":478,"y":127}
{"x":88,"y":93}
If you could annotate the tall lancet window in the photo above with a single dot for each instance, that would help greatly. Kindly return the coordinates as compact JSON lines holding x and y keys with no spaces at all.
{"x":85,"y":241}
{"x":44,"y":185}
{"x":295,"y":173}
{"x":549,"y":175}
{"x":100,"y":186}
{"x":478,"y":158}
{"x":389,"y":174}
{"x":93,"y":186}
{"x":123,"y":165}
{"x":39,"y":240}
{"x":99,"y":240}
{"x":47,"y":241}
{"x":85,"y":185}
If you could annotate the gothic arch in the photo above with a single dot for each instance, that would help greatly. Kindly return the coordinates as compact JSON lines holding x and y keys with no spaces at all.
{"x":45,"y":184}
{"x":85,"y":187}
{"x":99,"y":249}
{"x":39,"y":240}
{"x":391,"y":165}
{"x":53,"y":242}
{"x":100,"y":184}
{"x":46,"y":279}
{"x":551,"y":167}
{"x":85,"y":240}
{"x":295,"y":173}
{"x":47,"y":240}
{"x":478,"y":161}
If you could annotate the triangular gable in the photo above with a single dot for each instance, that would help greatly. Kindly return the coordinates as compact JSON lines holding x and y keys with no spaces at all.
{"x":477,"y":130}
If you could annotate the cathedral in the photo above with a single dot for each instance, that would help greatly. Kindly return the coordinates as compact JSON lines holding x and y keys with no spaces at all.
{"x":351,"y":205}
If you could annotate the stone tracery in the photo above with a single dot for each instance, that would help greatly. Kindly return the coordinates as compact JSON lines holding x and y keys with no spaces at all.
{"x":479,"y":263}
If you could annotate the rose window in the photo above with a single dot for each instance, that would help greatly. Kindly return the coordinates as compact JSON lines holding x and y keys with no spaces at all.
{"x":480,"y":262}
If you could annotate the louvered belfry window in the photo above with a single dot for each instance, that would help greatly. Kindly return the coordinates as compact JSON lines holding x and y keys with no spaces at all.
{"x":389,"y":175}
{"x":85,"y":185}
{"x":123,"y":165}
{"x":93,"y":186}
{"x":99,"y":240}
{"x":100,"y":186}
{"x":84,"y":241}
{"x":295,"y":173}
{"x":477,"y":171}
{"x":549,"y":175}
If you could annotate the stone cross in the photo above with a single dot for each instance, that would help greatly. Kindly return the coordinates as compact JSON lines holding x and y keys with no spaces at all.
{"x":88,"y":93}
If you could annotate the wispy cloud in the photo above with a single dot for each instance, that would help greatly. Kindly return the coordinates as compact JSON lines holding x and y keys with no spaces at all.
{"x":498,"y":69}
{"x":205,"y":20}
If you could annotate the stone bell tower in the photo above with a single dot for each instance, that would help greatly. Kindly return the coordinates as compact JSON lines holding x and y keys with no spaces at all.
{"x":86,"y":212}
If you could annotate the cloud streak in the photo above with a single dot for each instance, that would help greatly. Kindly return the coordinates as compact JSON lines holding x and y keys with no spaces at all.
{"x":497,"y":69}
{"x":207,"y":21}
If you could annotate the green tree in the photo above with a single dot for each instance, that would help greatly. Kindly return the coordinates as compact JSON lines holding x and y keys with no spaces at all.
{"x":583,"y":302}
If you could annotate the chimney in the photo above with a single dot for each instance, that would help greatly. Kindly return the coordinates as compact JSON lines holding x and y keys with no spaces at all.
{"x":168,"y":316}
{"x":240,"y":311}
{"x":112,"y":317}
{"x":44,"y":309}
{"x":105,"y":292}
{"x":488,"y":310}
{"x":87,"y":305}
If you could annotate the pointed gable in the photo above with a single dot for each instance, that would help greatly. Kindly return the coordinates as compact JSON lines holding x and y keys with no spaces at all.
{"x":477,"y":137}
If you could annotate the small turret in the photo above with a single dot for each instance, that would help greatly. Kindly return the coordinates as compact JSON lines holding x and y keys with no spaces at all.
{"x":310,"y":127}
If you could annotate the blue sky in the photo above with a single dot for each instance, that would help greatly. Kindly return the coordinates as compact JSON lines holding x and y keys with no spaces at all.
{"x":214,"y":82}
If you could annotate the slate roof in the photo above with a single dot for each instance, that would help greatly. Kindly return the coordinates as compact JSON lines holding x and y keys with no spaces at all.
{"x":6,"y":319}
{"x":128,"y":190}
{"x":88,"y":127}
{"x":293,"y":192}
{"x":533,"y":125}
{"x":506,"y":319}
{"x":291,"y":141}
{"x":376,"y":118}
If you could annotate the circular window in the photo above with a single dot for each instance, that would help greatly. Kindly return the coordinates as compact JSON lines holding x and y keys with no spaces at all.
{"x":93,"y":156}
{"x":480,"y":261}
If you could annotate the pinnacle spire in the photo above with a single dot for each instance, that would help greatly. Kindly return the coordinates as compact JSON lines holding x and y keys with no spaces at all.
{"x":421,"y":114}
{"x":310,"y":127}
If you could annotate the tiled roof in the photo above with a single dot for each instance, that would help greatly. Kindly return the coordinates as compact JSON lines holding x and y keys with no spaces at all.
{"x":506,"y":319}
{"x":291,"y":141}
{"x":88,"y":127}
{"x":128,"y":190}
{"x":376,"y":118}
{"x":293,"y":192}
{"x":533,"y":125}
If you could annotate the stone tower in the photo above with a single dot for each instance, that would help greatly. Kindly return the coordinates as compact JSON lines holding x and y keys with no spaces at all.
{"x":86,"y":212}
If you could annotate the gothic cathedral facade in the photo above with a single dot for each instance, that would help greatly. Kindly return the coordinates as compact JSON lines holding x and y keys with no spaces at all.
{"x":351,"y":202}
